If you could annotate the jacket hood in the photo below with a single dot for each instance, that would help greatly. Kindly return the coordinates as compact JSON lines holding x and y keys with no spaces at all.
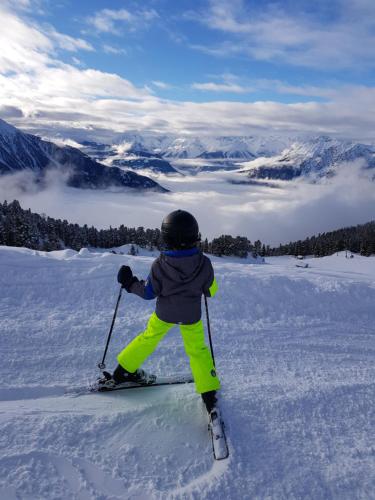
{"x":182,"y":268}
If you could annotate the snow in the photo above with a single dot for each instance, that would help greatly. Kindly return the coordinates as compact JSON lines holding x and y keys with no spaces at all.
{"x":315,"y":155}
{"x":294,"y":348}
{"x":186,"y":146}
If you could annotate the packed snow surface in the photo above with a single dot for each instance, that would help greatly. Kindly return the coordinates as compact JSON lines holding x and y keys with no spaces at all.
{"x":295,"y":349}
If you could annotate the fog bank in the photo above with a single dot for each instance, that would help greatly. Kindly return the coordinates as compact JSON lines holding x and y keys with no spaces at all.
{"x":293,"y":210}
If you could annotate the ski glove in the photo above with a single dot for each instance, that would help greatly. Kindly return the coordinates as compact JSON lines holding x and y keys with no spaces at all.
{"x":126,"y":278}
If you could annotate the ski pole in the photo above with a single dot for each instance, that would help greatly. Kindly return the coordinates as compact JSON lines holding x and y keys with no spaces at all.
{"x":209,"y":330}
{"x":101,"y":365}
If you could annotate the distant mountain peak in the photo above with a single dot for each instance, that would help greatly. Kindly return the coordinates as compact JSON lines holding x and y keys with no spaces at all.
{"x":312,"y":158}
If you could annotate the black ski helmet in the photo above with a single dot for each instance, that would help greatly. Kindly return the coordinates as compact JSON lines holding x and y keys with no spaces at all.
{"x":180,"y":230}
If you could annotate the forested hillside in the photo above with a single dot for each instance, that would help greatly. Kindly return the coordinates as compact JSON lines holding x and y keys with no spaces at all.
{"x":23,"y":228}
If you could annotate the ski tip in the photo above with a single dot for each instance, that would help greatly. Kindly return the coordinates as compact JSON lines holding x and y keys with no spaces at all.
{"x":224,"y":456}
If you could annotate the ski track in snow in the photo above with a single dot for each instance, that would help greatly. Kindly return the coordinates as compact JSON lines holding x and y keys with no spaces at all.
{"x":295,"y":350}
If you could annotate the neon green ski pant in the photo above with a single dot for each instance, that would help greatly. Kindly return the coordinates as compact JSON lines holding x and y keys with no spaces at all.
{"x":202,"y":367}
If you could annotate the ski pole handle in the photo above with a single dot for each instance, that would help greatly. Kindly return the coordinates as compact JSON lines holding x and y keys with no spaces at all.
{"x":101,"y":365}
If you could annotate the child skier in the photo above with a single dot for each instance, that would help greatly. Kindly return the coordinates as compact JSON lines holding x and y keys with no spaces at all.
{"x":178,"y":278}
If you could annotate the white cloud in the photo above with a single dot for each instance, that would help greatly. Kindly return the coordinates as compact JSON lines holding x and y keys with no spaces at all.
{"x":104,"y":21}
{"x":77,"y":61}
{"x":111,"y":21}
{"x":49,"y":93}
{"x":275,"y":33}
{"x":294,"y":211}
{"x":10,"y":112}
{"x":60,"y":86}
{"x":21,"y":3}
{"x":25,"y":47}
{"x":222,"y":87}
{"x":161,"y":85}
{"x":109,"y":49}
{"x":25,"y":5}
{"x":67,"y":42}
{"x":22,"y":47}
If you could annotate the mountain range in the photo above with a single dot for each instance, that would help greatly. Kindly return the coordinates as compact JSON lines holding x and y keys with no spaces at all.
{"x":26,"y":152}
{"x":251,"y":157}
{"x":97,"y":165}
{"x":206,"y":147}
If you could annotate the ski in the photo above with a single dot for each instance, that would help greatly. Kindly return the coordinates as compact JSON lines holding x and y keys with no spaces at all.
{"x":217,"y":431}
{"x":159,"y":381}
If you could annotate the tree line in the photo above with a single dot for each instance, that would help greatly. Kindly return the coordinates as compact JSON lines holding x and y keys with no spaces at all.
{"x":23,"y":228}
{"x":357,"y":239}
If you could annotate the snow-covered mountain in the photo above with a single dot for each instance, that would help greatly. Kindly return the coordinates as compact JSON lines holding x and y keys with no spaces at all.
{"x":154,"y":153}
{"x":131,"y":154}
{"x":154,"y":165}
{"x":172,"y":146}
{"x":257,"y":157}
{"x":317,"y":157}
{"x":20,"y":151}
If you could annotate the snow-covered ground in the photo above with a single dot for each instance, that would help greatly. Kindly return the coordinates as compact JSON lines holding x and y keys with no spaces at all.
{"x":295,"y":349}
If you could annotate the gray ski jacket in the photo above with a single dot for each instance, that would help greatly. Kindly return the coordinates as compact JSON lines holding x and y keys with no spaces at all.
{"x":178,"y":279}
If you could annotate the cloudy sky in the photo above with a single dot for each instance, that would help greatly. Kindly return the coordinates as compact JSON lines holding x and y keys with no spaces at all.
{"x":208,"y":66}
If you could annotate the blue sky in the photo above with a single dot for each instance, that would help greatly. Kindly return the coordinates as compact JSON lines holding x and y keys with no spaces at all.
{"x":165,"y":41}
{"x":281,"y":60}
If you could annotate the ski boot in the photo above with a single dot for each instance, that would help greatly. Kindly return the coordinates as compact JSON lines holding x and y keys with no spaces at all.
{"x":210,"y":400}
{"x":106,"y":380}
{"x":122,"y":376}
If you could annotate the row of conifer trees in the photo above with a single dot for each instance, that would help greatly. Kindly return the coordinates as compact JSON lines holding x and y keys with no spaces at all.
{"x":23,"y":228}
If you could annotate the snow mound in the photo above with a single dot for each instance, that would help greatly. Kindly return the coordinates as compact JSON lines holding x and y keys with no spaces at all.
{"x":84,"y":252}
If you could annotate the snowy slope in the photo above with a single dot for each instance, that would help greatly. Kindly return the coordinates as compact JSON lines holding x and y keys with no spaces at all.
{"x":295,"y":349}
{"x":317,"y":157}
